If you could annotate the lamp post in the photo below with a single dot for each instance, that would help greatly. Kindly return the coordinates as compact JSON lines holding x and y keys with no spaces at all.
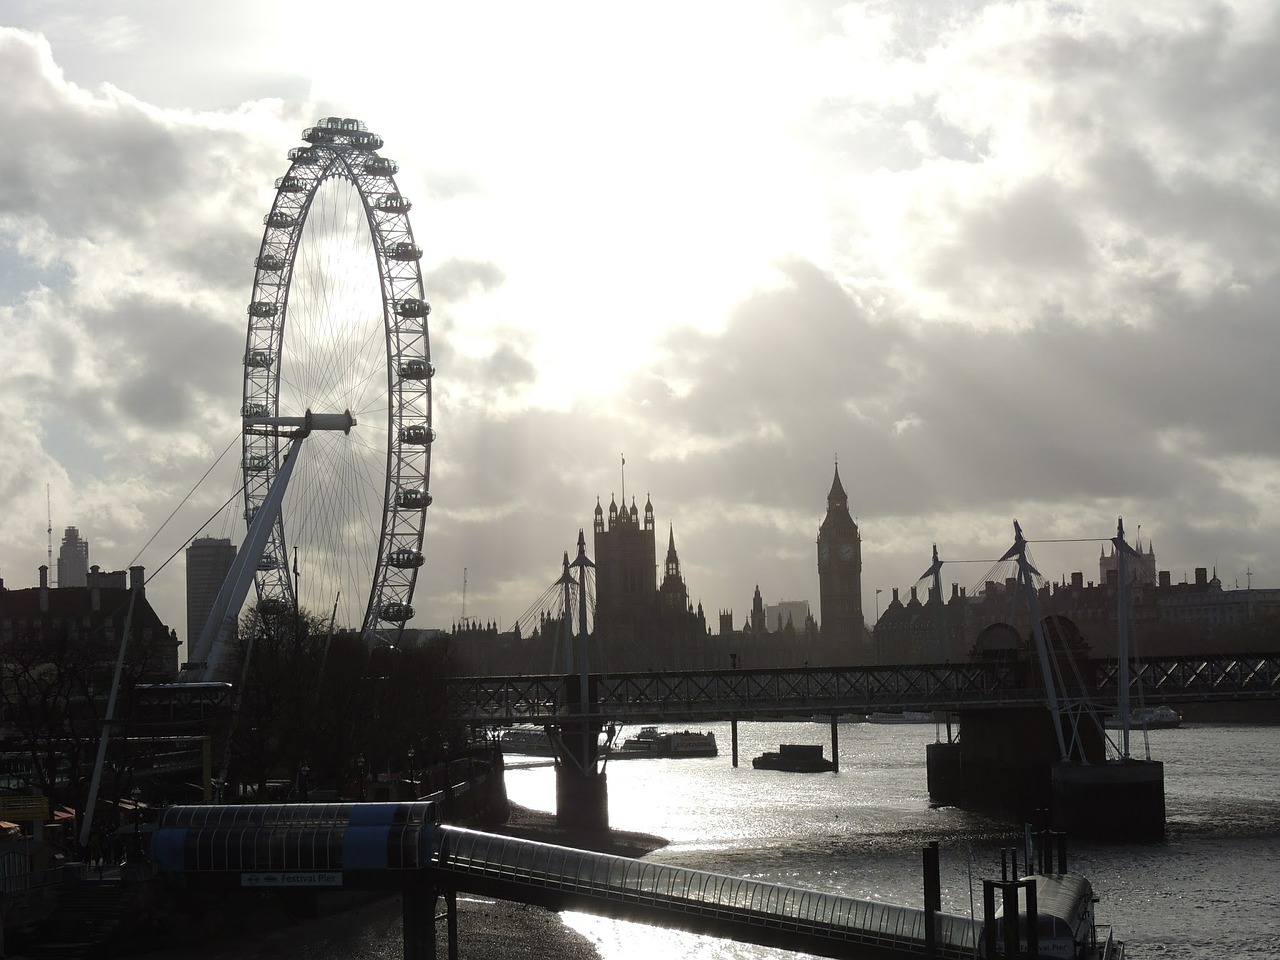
{"x":360,"y":766}
{"x":413,"y":783}
{"x":136,"y":794}
{"x":304,"y":787}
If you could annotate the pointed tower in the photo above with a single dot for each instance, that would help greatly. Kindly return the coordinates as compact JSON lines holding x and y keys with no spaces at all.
{"x":673,"y":594}
{"x":840,"y":573}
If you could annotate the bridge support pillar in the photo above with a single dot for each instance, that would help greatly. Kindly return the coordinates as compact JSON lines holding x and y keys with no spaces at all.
{"x":417,"y":916}
{"x":1006,"y":763}
{"x":733,"y":736}
{"x":582,"y":798}
{"x":946,"y":780}
{"x":835,"y":741}
{"x":582,"y":790}
{"x":1113,"y":801}
{"x":1006,"y":759}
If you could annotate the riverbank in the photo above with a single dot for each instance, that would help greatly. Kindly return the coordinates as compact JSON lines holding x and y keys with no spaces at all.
{"x":495,"y":930}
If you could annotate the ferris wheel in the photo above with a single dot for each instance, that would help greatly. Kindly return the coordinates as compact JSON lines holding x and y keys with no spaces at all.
{"x":338,"y":322}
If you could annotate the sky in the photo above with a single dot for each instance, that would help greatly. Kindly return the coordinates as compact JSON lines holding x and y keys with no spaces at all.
{"x":1000,"y":260}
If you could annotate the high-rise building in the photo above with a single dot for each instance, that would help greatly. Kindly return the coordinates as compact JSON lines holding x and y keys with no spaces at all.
{"x":840,"y":571}
{"x":208,"y":560}
{"x":73,"y":560}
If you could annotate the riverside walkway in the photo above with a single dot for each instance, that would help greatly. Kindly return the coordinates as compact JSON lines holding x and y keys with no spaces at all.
{"x":398,"y":846}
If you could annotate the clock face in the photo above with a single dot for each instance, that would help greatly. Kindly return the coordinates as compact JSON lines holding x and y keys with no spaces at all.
{"x":846,"y":552}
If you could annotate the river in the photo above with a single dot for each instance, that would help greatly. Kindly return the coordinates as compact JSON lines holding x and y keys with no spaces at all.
{"x":1210,"y":891}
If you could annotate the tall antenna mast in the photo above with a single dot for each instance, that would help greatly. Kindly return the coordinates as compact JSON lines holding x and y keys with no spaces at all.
{"x":48,"y":503}
{"x":464,"y":596}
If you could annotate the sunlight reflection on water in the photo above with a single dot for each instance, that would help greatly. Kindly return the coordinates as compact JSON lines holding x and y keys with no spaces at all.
{"x":1208,"y":892}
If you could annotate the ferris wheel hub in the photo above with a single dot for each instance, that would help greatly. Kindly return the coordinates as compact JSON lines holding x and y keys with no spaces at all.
{"x":301,"y":426}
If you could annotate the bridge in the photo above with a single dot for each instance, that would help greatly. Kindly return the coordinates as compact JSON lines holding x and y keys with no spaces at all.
{"x":738,"y":694}
{"x":1011,"y":749}
{"x":400,"y":846}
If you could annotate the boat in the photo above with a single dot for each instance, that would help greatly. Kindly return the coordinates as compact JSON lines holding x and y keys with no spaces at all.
{"x":1065,"y":924}
{"x":1148,"y":718}
{"x":652,"y":742}
{"x":528,"y":740}
{"x":795,"y":758}
{"x":904,"y":716}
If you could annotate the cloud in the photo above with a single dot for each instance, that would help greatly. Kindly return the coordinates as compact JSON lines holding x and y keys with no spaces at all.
{"x":1000,"y":260}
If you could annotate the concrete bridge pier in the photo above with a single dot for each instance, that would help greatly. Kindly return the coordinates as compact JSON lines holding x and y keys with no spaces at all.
{"x":1121,"y":799}
{"x":582,"y":789}
{"x":1008,"y":763}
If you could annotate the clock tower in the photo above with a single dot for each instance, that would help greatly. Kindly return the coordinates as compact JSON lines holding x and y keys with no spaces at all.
{"x":840,"y":572}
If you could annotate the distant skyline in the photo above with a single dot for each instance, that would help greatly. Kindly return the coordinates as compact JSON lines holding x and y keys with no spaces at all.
{"x":1003,"y":260}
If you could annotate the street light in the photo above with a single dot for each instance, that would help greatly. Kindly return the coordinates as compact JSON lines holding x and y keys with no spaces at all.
{"x":304,"y":787}
{"x":136,"y":794}
{"x":360,"y":765}
{"x":413,"y":783}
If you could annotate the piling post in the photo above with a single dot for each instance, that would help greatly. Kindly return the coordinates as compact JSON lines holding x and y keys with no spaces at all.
{"x":989,"y":917}
{"x":835,"y":742}
{"x":417,"y":916}
{"x":1033,"y":921}
{"x":1009,"y":899}
{"x":451,"y":919}
{"x":932,"y":898}
{"x":733,"y":737}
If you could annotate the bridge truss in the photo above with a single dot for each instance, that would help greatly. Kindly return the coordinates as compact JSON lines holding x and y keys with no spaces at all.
{"x":725,"y":694}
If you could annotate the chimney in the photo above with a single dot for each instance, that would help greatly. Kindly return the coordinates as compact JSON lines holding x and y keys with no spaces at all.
{"x":895,"y":594}
{"x":137,"y":581}
{"x":955,"y":591}
{"x":1165,"y":579}
{"x":1202,"y":576}
{"x":44,"y":588}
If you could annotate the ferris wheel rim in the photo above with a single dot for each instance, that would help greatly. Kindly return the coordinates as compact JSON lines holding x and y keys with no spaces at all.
{"x":343,"y":149}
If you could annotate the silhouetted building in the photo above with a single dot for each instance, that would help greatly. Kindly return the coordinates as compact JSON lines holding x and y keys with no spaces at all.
{"x":639,"y":623}
{"x":208,"y":560}
{"x":777,"y":635}
{"x":1164,"y":617}
{"x":90,"y":618}
{"x":840,"y":575}
{"x":73,"y":559}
